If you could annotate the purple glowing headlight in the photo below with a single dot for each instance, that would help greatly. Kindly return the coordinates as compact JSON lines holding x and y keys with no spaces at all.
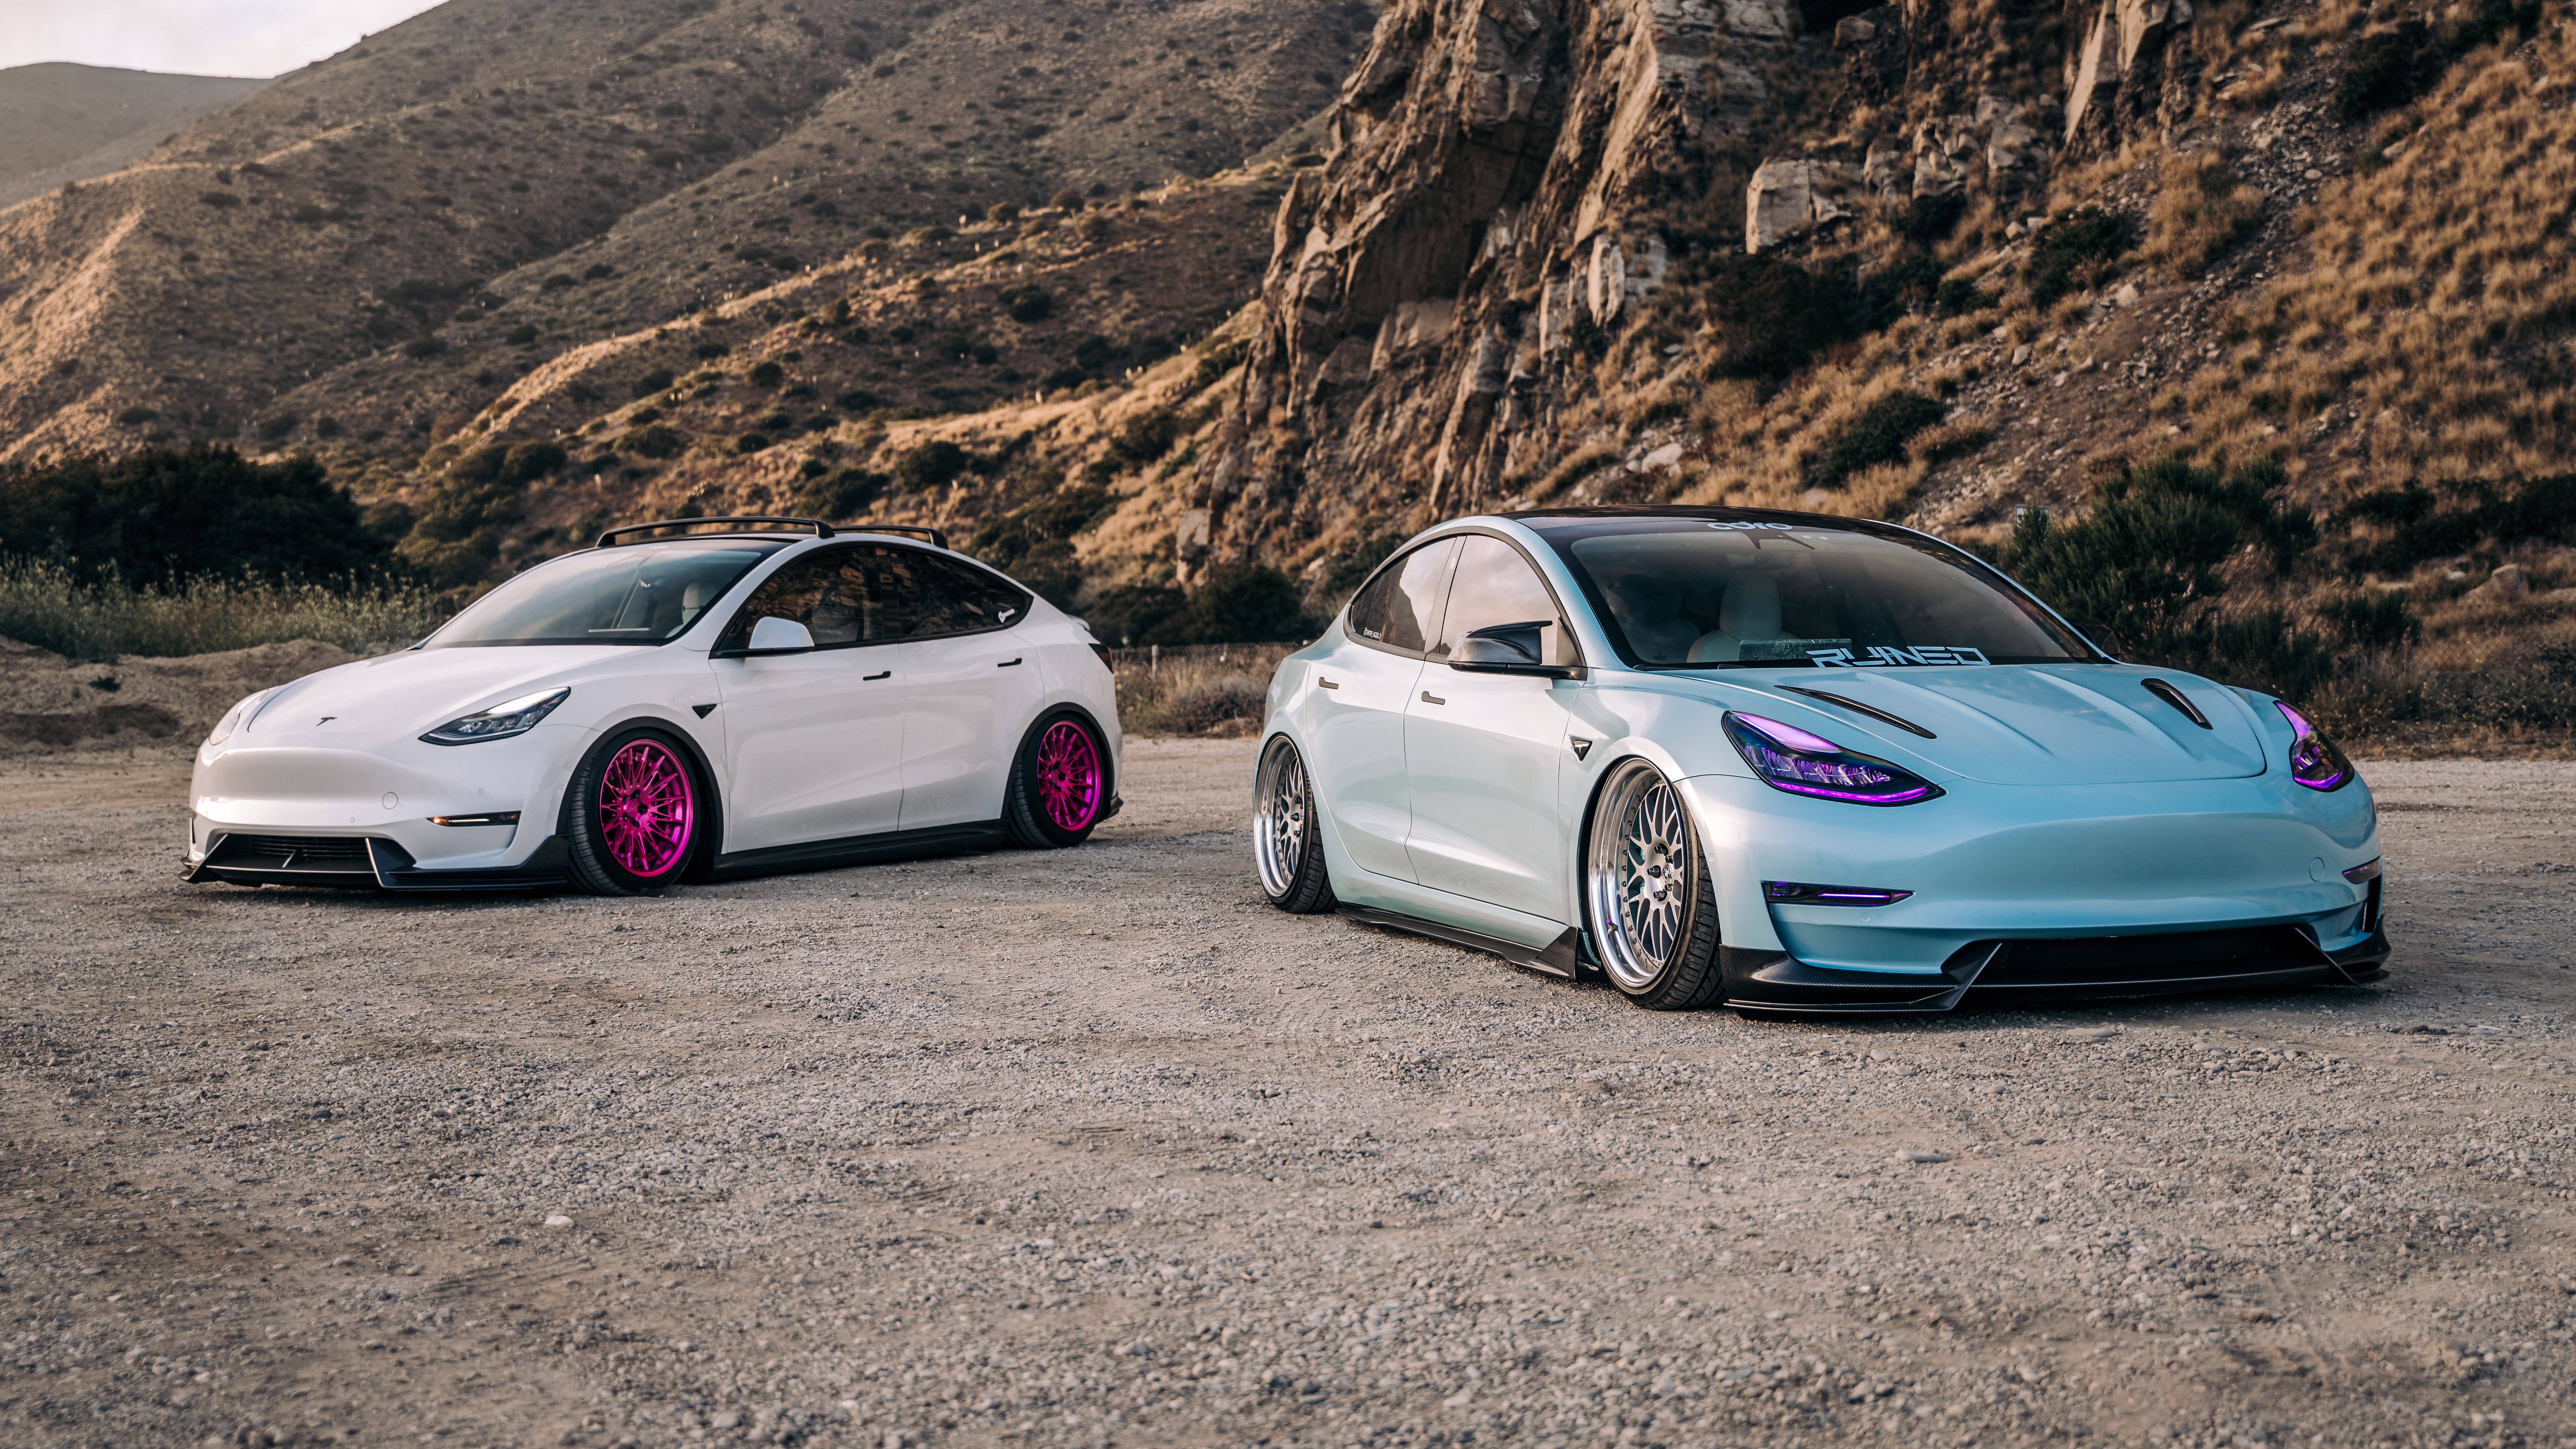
{"x":1785,"y":757}
{"x":2314,"y":761}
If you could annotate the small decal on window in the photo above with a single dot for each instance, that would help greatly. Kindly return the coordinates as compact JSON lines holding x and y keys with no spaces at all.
{"x":1878,"y":655}
{"x":1740,"y":527}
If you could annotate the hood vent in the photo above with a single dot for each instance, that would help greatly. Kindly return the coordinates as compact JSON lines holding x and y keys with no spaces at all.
{"x":2178,"y":700}
{"x":1856,"y":707}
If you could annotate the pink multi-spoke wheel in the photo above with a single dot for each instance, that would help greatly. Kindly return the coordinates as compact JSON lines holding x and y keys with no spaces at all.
{"x":1068,"y":771}
{"x":647,"y":809}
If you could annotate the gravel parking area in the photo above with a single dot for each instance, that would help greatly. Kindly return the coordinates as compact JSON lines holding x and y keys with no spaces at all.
{"x":1095,"y":1149}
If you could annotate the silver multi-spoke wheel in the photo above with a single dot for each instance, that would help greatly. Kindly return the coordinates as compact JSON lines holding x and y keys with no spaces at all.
{"x":1643,"y":887}
{"x":1284,"y":845}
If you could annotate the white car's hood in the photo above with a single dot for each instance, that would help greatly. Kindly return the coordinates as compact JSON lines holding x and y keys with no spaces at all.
{"x":409,"y":694}
{"x":2040,"y":724}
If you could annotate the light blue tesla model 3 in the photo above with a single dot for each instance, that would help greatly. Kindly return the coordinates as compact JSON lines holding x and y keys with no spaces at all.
{"x":1784,"y":762}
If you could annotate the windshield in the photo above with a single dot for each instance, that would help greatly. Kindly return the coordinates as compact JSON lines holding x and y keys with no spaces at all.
{"x":1701,"y":593}
{"x":638,"y":594}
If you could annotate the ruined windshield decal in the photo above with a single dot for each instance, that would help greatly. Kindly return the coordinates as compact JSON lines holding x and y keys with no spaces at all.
{"x":1881,"y":654}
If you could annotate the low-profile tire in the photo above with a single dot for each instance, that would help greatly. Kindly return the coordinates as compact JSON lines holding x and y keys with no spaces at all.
{"x":1059,"y":784}
{"x":1647,"y":900}
{"x":1287,"y":840}
{"x":634,"y":813}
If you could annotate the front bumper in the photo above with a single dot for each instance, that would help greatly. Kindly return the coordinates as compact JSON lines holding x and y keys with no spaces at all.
{"x":363,"y":862}
{"x":2261,"y":958}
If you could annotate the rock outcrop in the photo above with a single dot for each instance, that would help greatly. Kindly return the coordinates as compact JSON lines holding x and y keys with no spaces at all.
{"x":1478,"y":219}
{"x":2129,"y":72}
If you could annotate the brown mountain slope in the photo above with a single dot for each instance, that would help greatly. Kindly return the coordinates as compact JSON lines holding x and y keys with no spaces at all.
{"x":388,"y":203}
{"x":62,"y":122}
{"x":1935,"y":265}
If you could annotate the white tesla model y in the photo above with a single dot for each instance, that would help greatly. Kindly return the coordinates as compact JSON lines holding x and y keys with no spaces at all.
{"x":659,"y":708}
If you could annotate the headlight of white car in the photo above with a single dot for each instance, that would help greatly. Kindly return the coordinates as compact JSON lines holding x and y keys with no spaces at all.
{"x":501,"y":721}
{"x":234,"y":717}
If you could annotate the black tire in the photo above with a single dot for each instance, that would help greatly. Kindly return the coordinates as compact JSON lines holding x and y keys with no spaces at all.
{"x":1647,"y":900}
{"x":1287,"y":841}
{"x":644,"y":857}
{"x":1050,"y":803}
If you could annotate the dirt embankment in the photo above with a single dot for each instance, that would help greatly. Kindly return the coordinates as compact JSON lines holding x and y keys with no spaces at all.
{"x":1094,"y":1148}
{"x":48,"y":705}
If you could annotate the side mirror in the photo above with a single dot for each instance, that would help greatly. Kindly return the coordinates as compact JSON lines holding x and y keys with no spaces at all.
{"x":780,"y":636}
{"x":1507,"y":649}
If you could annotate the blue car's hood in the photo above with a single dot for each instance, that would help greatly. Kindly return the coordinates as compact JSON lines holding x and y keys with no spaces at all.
{"x":2035,"y":724}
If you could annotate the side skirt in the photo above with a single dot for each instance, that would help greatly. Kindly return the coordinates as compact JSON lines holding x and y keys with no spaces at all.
{"x":1561,"y":957}
{"x":859,"y":850}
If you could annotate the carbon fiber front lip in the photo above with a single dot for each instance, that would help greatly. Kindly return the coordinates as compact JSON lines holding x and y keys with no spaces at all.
{"x":1774,"y":981}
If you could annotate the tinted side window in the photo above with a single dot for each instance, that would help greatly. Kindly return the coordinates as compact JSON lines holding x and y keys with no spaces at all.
{"x":840,"y":595}
{"x":948,"y":597}
{"x":1400,"y":608}
{"x":1495,"y":585}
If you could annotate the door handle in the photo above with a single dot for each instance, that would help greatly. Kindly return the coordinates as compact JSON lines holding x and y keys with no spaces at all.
{"x":1007,"y":663}
{"x":1326,"y":683}
{"x":1429,"y":698}
{"x":873,"y":678}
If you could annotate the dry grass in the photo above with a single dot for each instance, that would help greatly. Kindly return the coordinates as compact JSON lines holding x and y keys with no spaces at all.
{"x":2203,"y":210}
{"x":1214,"y":689}
{"x":43,"y":605}
{"x":2436,"y":280}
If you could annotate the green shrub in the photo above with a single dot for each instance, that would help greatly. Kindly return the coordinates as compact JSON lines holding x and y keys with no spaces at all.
{"x":840,"y":495}
{"x":220,"y":200}
{"x":163,"y":516}
{"x":765,"y":374}
{"x":933,"y":464}
{"x":858,"y":400}
{"x":654,"y":440}
{"x":521,"y":335}
{"x":1930,"y":219}
{"x":2144,"y":564}
{"x":1959,"y":297}
{"x":750,"y":443}
{"x":2387,"y":69}
{"x":424,"y":347}
{"x":1216,"y":362}
{"x":658,"y":380}
{"x":1878,"y":435}
{"x":1028,"y":304}
{"x":1772,"y":316}
{"x":1146,"y":437}
{"x":1245,"y":604}
{"x":1066,"y":200}
{"x":2078,"y":251}
{"x":2382,"y":620}
{"x":137,"y":416}
{"x":2428,"y":524}
{"x":273,"y":430}
{"x":1136,"y":614}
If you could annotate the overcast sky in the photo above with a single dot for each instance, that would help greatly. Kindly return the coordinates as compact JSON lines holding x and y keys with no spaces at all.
{"x":192,"y":37}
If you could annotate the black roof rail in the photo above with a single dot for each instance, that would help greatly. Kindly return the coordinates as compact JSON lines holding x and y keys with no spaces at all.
{"x":937,"y":538}
{"x":609,"y":539}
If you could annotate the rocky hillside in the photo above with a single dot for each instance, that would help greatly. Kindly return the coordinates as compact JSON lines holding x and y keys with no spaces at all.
{"x":61,"y":122}
{"x":2280,"y":290}
{"x":413,"y":225}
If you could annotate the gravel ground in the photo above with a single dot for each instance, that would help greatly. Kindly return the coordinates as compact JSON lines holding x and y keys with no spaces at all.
{"x":1094,"y":1148}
